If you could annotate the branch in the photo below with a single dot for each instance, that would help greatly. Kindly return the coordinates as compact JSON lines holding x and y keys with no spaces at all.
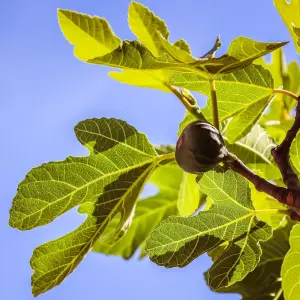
{"x":288,"y":196}
{"x":281,"y":154}
{"x":288,"y":93}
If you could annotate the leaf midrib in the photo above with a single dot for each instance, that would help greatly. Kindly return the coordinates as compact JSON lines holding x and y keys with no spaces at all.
{"x":120,"y":171}
{"x":62,"y":11}
{"x":95,"y":236}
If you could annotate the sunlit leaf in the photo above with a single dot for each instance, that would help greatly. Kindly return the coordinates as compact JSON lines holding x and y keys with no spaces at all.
{"x":290,"y":13}
{"x":179,"y":240}
{"x":290,"y":271}
{"x":105,"y":183}
{"x":91,"y":36}
{"x":145,"y":25}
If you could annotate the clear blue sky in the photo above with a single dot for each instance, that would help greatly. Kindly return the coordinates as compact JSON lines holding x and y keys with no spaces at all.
{"x":45,"y":91}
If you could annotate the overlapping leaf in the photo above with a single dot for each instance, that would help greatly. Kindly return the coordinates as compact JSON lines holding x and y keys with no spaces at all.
{"x":255,"y":151}
{"x":104,"y":184}
{"x":245,"y":92}
{"x":290,"y":13}
{"x":264,"y":283}
{"x":285,"y":76}
{"x":149,"y":213}
{"x":290,"y":271}
{"x":91,"y":36}
{"x":178,"y":240}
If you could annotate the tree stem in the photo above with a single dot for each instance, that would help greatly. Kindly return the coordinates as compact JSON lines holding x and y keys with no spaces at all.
{"x":214,"y":103}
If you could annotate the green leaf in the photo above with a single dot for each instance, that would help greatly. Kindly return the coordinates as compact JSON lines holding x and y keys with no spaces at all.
{"x":264,"y":201}
{"x":145,"y":25}
{"x":251,"y":90}
{"x":146,"y":79}
{"x":189,"y":195}
{"x":179,"y":240}
{"x":183,"y":45}
{"x":290,"y":14}
{"x":175,"y":52}
{"x":241,"y":53}
{"x":286,"y":77}
{"x":242,"y":124}
{"x":105,"y":184}
{"x":148,"y":214}
{"x":278,"y":129}
{"x":91,"y":36}
{"x":295,"y":152}
{"x":290,"y":271}
{"x":255,"y":151}
{"x":264,"y":283}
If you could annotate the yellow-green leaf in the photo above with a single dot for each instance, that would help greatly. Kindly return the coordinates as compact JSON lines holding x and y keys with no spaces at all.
{"x":179,"y":240}
{"x":290,"y":14}
{"x":105,"y":184}
{"x":290,"y":271}
{"x":91,"y":36}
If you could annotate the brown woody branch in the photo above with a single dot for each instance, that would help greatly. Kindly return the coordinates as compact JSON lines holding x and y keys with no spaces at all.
{"x":289,"y":195}
{"x":282,"y":157}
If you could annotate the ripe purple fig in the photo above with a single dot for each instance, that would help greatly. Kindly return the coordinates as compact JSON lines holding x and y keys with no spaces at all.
{"x":200,"y":147}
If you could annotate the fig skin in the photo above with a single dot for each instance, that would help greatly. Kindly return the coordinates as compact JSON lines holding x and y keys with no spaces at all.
{"x":199,"y":148}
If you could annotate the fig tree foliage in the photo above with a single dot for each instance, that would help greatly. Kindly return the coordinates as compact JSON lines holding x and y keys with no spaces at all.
{"x":202,"y":205}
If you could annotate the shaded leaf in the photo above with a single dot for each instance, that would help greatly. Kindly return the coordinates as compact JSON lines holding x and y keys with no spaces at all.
{"x":91,"y":36}
{"x":104,"y":184}
{"x":149,"y":213}
{"x":179,"y":240}
{"x":291,"y":266}
{"x":264,"y":283}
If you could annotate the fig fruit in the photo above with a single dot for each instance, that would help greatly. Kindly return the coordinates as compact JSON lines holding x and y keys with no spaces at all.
{"x":200,"y":147}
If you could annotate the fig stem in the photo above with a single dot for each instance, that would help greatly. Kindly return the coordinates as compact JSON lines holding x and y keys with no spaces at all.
{"x":191,"y":108}
{"x":288,"y":93}
{"x":214,"y":102}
